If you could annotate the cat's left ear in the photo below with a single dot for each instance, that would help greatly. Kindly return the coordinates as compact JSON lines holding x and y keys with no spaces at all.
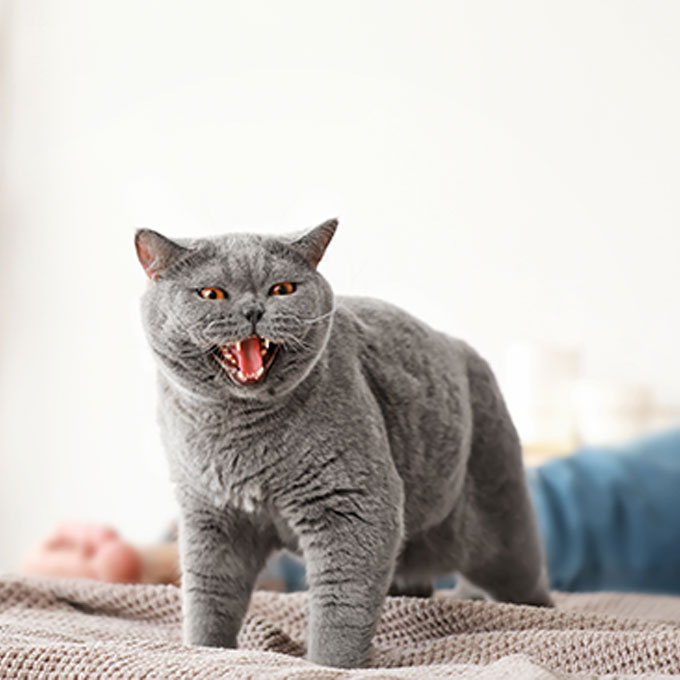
{"x":313,"y":244}
{"x":156,"y":252}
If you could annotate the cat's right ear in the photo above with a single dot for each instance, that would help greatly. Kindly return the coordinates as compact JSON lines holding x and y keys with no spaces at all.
{"x":313,"y":244}
{"x":155,"y":252}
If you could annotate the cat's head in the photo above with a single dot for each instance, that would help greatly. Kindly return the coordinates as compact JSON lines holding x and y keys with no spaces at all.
{"x":242,"y":314}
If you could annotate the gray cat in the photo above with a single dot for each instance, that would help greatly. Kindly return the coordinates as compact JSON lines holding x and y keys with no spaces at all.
{"x":339,"y":428}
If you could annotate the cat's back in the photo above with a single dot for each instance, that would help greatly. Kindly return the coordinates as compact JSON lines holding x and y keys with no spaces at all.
{"x":417,"y":375}
{"x":381,"y":332}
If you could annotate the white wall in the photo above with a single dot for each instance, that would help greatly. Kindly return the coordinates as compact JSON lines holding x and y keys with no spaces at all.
{"x":505,"y":170}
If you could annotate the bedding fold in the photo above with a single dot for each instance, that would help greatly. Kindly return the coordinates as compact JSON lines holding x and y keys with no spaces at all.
{"x":78,"y":628}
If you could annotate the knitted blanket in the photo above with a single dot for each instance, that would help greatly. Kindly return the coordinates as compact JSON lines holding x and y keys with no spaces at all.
{"x":81,"y":629}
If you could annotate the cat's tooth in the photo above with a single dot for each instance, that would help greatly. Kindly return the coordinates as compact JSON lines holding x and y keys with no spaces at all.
{"x":241,"y":376}
{"x":226,"y":353}
{"x":259,"y":373}
{"x":266,"y":343}
{"x":238,"y":346}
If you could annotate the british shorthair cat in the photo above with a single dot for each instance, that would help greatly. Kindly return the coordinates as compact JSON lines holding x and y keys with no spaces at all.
{"x":340,"y":428}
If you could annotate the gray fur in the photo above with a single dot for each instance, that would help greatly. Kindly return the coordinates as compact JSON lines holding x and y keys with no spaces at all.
{"x":379,"y":449}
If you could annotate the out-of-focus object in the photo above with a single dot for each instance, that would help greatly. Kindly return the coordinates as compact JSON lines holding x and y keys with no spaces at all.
{"x":556,"y":408}
{"x":538,"y":386}
{"x":608,"y":413}
{"x":610,"y":515}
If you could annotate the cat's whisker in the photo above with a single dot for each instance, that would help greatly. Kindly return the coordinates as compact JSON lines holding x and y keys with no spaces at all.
{"x":309,"y":321}
{"x":296,"y":318}
{"x":297,"y":344}
{"x":190,"y":330}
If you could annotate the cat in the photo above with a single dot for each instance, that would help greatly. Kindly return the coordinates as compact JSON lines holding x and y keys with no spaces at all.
{"x":340,"y":428}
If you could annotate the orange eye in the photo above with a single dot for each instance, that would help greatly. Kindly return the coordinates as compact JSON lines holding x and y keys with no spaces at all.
{"x":285,"y":288}
{"x":212,"y":293}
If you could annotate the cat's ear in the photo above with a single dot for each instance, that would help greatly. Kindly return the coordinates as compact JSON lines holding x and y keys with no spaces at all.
{"x":156,"y":252}
{"x":313,"y":244}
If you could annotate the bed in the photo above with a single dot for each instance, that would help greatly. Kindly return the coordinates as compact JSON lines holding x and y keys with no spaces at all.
{"x":78,"y":629}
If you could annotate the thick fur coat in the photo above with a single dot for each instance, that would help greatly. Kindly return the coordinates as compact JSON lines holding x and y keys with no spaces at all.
{"x":376,"y":447}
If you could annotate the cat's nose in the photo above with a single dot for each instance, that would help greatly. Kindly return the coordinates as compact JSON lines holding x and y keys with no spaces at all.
{"x":253,"y":314}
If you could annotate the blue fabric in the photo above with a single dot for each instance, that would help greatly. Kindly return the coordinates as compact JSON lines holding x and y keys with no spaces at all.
{"x":287,"y":568}
{"x":609,"y":519}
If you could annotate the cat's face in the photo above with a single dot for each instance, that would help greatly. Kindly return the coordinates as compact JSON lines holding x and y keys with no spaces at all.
{"x":242,"y":315}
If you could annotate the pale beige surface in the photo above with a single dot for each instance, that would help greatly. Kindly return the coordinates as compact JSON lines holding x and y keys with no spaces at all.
{"x":62,"y":629}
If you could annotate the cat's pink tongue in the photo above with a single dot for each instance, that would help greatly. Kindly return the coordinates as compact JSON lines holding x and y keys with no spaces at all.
{"x":249,"y":357}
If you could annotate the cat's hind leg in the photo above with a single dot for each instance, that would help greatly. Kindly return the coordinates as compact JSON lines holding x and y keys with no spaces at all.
{"x":502,"y":554}
{"x":415,"y":587}
{"x":426,"y":557}
{"x":465,"y":590}
{"x":505,"y":567}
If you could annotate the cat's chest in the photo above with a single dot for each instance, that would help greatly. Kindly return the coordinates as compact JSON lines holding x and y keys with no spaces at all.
{"x":248,"y":496}
{"x":240,"y":462}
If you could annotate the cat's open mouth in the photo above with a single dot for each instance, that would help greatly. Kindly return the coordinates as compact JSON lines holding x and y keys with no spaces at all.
{"x":247,"y":361}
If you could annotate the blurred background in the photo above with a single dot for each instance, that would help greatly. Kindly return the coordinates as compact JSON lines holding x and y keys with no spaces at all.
{"x":507,"y":171}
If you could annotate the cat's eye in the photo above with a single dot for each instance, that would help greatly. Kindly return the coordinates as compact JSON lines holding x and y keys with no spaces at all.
{"x":212,"y":293}
{"x":285,"y":288}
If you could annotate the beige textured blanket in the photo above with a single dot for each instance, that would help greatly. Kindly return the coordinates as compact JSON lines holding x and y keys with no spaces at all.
{"x":81,"y":629}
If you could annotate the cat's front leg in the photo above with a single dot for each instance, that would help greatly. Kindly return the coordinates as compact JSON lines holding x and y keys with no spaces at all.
{"x":350,"y":554}
{"x":221,"y":553}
